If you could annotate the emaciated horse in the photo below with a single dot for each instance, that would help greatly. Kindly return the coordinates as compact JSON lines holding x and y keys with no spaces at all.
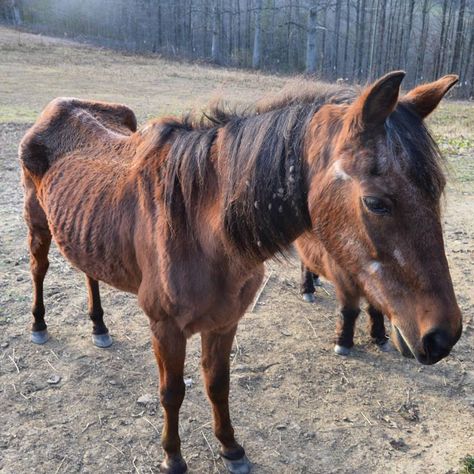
{"x":184,"y":214}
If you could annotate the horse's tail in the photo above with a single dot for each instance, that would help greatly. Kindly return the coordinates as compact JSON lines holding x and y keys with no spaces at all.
{"x":67,"y":124}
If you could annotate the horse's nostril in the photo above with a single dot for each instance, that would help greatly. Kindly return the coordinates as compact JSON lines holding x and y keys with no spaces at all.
{"x":437,"y":344}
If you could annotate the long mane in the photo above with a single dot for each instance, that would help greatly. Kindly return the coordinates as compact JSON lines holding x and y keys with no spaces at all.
{"x":259,"y":165}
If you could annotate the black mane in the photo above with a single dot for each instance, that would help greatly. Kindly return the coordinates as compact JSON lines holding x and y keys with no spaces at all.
{"x":260,"y":168}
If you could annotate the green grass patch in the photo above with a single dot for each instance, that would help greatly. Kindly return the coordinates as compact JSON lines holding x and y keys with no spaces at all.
{"x":467,"y":465}
{"x":17,"y":114}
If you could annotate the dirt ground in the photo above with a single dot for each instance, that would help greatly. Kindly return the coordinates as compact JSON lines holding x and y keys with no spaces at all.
{"x":297,"y":407}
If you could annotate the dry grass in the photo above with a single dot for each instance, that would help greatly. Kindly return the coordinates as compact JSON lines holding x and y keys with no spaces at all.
{"x":35,"y":69}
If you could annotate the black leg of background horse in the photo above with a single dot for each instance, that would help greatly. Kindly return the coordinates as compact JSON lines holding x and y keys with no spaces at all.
{"x":345,"y":330}
{"x":40,"y":241}
{"x":216,"y":349}
{"x":307,"y":284}
{"x":169,"y":346}
{"x":377,"y":327}
{"x":100,"y":333}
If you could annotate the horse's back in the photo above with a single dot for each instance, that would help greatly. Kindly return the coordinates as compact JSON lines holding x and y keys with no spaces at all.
{"x":67,"y":125}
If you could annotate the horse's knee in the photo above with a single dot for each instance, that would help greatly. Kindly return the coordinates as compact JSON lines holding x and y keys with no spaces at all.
{"x":172,"y":397}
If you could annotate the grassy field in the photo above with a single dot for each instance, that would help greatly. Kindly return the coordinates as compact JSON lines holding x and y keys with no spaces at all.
{"x":35,"y":69}
{"x":297,"y":407}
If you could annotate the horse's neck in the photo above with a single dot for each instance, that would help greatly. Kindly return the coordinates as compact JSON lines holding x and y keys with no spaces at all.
{"x":263,"y":183}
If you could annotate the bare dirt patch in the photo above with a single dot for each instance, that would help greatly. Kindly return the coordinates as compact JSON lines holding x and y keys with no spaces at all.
{"x":68,"y":407}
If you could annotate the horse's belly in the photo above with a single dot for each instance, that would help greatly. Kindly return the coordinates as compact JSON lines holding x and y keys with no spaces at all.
{"x":91,"y":230}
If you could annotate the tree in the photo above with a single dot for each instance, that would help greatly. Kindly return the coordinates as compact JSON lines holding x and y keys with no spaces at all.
{"x":257,"y":41}
{"x":215,"y":47}
{"x":311,"y":41}
{"x":455,"y":64}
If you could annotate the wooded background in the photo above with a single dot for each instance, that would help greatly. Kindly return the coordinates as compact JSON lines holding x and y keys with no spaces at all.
{"x":352,"y":40}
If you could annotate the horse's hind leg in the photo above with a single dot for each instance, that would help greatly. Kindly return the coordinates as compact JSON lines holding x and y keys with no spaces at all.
{"x":216,"y":349}
{"x":39,"y":240}
{"x":100,"y":333}
{"x":377,"y":328}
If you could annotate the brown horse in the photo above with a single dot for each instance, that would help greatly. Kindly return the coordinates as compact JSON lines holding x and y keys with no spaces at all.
{"x":184,"y":214}
{"x":315,"y":262}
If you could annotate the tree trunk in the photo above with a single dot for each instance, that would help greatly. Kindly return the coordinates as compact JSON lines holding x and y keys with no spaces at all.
{"x":337,"y":32}
{"x":215,"y":47}
{"x":455,"y":64}
{"x":422,"y":45}
{"x":16,"y":13}
{"x":346,"y":42}
{"x":311,"y":42}
{"x":441,"y":43}
{"x":257,"y":40}
{"x":362,"y":41}
{"x":408,"y":34}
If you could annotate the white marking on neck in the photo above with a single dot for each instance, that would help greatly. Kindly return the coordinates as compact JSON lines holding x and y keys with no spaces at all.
{"x":339,"y":173}
{"x":399,"y":257}
{"x":374,"y":267}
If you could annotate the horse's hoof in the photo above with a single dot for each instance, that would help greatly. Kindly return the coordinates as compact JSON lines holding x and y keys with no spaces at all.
{"x":237,"y":466}
{"x":309,"y":297}
{"x":317,"y":282}
{"x":341,"y":350}
{"x":385,"y":346}
{"x":102,"y":340}
{"x":39,"y":337}
{"x":174,"y":466}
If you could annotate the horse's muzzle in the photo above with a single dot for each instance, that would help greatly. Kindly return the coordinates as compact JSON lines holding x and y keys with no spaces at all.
{"x":400,"y":343}
{"x":436,"y":345}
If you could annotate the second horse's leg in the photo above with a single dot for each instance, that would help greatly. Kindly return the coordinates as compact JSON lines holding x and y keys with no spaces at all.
{"x":100,"y":333}
{"x":377,"y":328}
{"x":216,"y":349}
{"x":345,"y":330}
{"x":307,"y":284}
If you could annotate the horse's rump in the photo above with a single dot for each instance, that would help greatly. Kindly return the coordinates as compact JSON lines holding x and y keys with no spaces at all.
{"x":69,"y":124}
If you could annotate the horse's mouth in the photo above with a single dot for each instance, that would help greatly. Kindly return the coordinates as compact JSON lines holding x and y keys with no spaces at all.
{"x":401,"y":343}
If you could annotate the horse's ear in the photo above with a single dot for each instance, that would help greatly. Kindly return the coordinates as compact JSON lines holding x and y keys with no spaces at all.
{"x":379,"y":100}
{"x":425,"y":98}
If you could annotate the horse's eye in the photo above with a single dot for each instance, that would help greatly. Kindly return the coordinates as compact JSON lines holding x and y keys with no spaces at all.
{"x":376,"y":205}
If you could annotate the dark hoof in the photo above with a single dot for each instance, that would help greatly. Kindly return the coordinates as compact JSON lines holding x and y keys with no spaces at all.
{"x":341,"y":350}
{"x":309,"y":297}
{"x":385,"y":346}
{"x":102,"y":340}
{"x":39,"y":337}
{"x":237,"y":466}
{"x":317,"y":282}
{"x":174,"y":466}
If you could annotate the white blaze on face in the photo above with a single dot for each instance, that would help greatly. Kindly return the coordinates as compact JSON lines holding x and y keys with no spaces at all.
{"x":374,"y":267}
{"x":339,"y":173}
{"x":399,"y":257}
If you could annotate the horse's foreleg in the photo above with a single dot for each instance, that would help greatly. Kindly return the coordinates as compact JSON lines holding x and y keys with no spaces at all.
{"x":377,"y":327}
{"x":345,"y":329}
{"x":169,"y":346}
{"x":100,"y":333}
{"x":307,"y":284}
{"x":216,"y":349}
